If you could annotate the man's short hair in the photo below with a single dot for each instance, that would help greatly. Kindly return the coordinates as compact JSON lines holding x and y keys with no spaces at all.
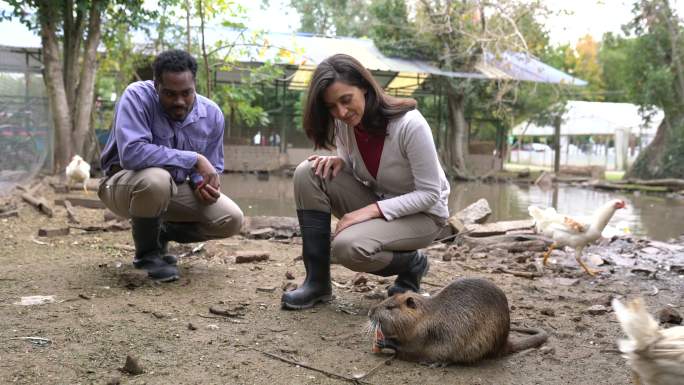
{"x":174,"y":60}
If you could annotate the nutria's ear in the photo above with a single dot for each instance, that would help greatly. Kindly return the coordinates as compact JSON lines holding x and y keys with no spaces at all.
{"x":410,"y":302}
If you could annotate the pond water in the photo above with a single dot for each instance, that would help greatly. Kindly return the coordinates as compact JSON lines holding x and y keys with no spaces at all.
{"x":653,"y":216}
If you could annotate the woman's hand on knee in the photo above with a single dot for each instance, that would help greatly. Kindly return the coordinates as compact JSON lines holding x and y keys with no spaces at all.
{"x":357,"y":216}
{"x":325,"y":166}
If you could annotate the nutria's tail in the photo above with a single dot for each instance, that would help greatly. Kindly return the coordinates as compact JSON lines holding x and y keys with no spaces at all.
{"x":538,"y":337}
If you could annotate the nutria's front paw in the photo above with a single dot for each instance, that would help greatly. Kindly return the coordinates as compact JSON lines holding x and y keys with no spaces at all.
{"x":388,"y":343}
{"x":434,"y":365}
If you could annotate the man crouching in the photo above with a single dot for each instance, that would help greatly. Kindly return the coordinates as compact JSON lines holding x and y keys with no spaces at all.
{"x":162,"y":163}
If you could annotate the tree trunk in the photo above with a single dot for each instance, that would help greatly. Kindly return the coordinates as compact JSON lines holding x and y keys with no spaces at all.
{"x":457,"y":139}
{"x":73,"y":32}
{"x":649,"y":163}
{"x":205,"y":58}
{"x":187,"y":24}
{"x":556,"y":144}
{"x":84,"y":98}
{"x":54,"y":82}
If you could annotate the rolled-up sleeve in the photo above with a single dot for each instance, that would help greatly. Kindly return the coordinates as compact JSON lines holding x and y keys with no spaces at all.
{"x":133,"y":132}
{"x":214,"y":149}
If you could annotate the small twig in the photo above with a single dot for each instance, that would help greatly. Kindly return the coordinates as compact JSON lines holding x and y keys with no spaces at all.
{"x":452,"y":236}
{"x":225,"y":313}
{"x":376,"y":367}
{"x":431,"y":284}
{"x":34,"y":340}
{"x":327,"y":373}
{"x":220,"y":318}
{"x":34,"y":240}
{"x":71,"y":215}
{"x":523,"y":274}
{"x":466,"y":267}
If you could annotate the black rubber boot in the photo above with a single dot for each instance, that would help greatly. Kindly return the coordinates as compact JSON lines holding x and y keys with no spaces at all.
{"x":181,"y":232}
{"x":148,"y":250}
{"x":315,"y":226}
{"x":410,"y":268}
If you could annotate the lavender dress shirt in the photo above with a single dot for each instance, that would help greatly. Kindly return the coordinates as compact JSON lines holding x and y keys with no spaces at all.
{"x":144,"y":136}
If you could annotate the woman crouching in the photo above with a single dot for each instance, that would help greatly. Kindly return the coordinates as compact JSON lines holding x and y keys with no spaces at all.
{"x":385,"y":184}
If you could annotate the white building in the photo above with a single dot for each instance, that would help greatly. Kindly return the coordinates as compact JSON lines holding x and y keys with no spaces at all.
{"x":610,"y":126}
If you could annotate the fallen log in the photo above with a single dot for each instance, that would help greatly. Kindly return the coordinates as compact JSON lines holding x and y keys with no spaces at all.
{"x":71,"y":215}
{"x":672,"y":183}
{"x":112,"y":226}
{"x":7,"y":214}
{"x":498,"y":228}
{"x":91,"y":185}
{"x":82,"y":202}
{"x":56,"y":232}
{"x":628,"y":187}
{"x":518,"y":247}
{"x":39,"y":203}
{"x":279,"y":226}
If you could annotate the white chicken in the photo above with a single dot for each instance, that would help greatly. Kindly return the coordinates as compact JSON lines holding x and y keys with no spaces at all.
{"x":566,"y":231}
{"x":655,"y":355}
{"x":78,"y":170}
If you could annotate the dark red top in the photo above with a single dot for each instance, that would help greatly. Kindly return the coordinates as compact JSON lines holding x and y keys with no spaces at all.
{"x":370,"y":147}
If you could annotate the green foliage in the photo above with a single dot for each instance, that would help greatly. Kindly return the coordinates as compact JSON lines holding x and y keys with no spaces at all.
{"x":394,"y":33}
{"x":332,"y":17}
{"x":616,"y":56}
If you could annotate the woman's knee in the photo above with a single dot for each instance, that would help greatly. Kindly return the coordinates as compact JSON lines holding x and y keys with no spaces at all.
{"x":347,"y":252}
{"x":303,"y":173}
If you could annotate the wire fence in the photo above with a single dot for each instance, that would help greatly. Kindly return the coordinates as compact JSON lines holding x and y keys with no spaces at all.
{"x":25,"y":139}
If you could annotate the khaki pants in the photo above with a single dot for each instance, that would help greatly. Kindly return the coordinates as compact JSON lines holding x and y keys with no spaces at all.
{"x":366,"y":246}
{"x":151,"y":192}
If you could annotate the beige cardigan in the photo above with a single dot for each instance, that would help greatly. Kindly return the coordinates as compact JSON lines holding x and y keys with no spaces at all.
{"x":410,"y":179}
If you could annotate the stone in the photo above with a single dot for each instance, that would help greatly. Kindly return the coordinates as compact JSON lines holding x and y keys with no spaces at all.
{"x":359,"y":279}
{"x":548,"y":312}
{"x":596,"y":310}
{"x":477,"y":212}
{"x":289,"y":286}
{"x":668,"y":315}
{"x":246,"y":256}
{"x":132,"y":366}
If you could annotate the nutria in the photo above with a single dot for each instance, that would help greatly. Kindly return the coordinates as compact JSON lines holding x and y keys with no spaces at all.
{"x":465,"y":322}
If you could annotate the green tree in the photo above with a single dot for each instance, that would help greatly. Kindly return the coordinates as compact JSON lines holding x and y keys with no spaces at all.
{"x":332,"y":17}
{"x":70,"y":32}
{"x":616,"y":56}
{"x":588,"y":67}
{"x":656,"y":78}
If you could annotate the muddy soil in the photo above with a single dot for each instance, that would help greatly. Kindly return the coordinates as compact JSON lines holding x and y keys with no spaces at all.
{"x":104,"y":310}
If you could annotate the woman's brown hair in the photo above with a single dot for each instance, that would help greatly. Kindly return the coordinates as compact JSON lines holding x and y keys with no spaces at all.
{"x":379,"y":110}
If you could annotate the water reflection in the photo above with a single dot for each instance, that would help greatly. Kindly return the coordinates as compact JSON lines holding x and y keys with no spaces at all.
{"x":654,"y":216}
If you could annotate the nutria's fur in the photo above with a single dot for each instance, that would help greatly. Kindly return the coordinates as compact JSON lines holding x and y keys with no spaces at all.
{"x":465,"y":322}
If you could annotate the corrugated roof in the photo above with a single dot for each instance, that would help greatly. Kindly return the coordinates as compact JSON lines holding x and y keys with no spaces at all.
{"x":299,"y":49}
{"x":596,"y":118}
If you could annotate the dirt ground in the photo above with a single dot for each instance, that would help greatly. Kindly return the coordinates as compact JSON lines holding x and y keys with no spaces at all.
{"x":104,"y":310}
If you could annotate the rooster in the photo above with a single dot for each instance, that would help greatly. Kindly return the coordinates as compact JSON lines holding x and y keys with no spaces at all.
{"x":655,"y":355}
{"x":566,"y":231}
{"x":78,"y":170}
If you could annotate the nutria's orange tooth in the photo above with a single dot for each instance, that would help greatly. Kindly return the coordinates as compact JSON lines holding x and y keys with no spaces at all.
{"x":378,"y":337}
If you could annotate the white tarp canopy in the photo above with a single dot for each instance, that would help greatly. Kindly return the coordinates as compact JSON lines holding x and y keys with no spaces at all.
{"x":596,"y":118}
